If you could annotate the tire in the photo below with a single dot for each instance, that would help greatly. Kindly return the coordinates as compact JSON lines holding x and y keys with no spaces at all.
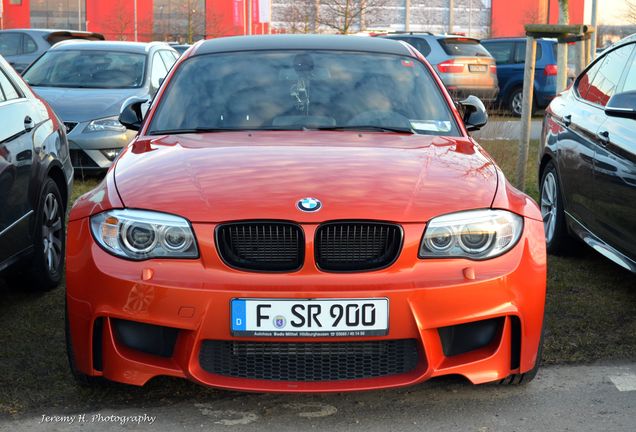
{"x":514,"y":102}
{"x":80,"y":378}
{"x":558,"y":240}
{"x":44,"y":269}
{"x":526,"y":377}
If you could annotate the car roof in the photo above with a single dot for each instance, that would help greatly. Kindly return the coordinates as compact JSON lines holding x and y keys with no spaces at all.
{"x":133,"y":47}
{"x":301,"y":42}
{"x":516,"y":39}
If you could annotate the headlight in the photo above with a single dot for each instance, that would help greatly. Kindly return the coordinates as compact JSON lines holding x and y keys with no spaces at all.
{"x":475,"y":234}
{"x":140,"y":235}
{"x":108,"y":124}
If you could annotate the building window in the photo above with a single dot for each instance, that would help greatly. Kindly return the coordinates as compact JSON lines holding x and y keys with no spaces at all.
{"x":179,"y":20}
{"x":62,"y":14}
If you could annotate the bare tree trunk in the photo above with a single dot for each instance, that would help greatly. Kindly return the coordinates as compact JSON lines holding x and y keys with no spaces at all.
{"x":562,"y":50}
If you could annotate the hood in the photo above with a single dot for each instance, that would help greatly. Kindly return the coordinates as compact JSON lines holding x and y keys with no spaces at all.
{"x":80,"y":105}
{"x":218,"y":177}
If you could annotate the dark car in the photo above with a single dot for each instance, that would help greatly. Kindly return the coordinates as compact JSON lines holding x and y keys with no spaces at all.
{"x":588,"y":159}
{"x":36,"y":179}
{"x":510,"y":54}
{"x":86,"y":84}
{"x":463,"y":64}
{"x":20,"y":47}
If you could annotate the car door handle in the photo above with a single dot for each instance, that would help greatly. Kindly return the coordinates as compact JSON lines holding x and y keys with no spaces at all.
{"x":567,"y":120}
{"x":603,"y":137}
{"x":28,"y":123}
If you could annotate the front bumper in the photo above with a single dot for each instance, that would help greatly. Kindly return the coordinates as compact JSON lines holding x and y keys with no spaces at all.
{"x":193,"y":296}
{"x":86,"y":148}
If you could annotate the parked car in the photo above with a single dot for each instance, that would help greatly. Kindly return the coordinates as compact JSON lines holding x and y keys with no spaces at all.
{"x":463,"y":64}
{"x":320,"y":222}
{"x":86,"y":84}
{"x":20,"y":47}
{"x":510,"y":54}
{"x":180,"y":48}
{"x":588,"y":159}
{"x":36,"y":178}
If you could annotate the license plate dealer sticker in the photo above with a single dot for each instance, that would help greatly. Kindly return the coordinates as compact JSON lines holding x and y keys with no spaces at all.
{"x":310,"y":318}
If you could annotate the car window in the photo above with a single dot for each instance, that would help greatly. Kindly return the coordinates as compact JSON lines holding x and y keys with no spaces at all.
{"x":168,"y":58}
{"x":463,"y":47}
{"x":520,"y":52}
{"x":630,"y":77}
{"x":7,"y":89}
{"x":10,"y":44}
{"x":28,"y":45}
{"x":87,"y":69}
{"x":300,"y":89}
{"x":584,"y":82}
{"x":159,"y":70}
{"x":420,"y":44}
{"x":607,"y":78}
{"x":501,"y":51}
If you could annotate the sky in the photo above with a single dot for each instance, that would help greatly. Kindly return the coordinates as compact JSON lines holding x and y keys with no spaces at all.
{"x":609,"y":11}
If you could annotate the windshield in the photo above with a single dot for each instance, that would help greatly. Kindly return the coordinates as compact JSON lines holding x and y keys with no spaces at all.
{"x":87,"y":69}
{"x":303,"y":90}
{"x":463,"y":47}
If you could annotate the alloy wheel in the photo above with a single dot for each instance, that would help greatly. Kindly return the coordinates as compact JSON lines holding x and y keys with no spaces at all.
{"x":517,"y":103}
{"x":52,"y":233}
{"x":549,"y":205}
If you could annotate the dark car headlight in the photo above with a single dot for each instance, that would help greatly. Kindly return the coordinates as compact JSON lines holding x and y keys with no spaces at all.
{"x":475,"y":234}
{"x":141,"y":234}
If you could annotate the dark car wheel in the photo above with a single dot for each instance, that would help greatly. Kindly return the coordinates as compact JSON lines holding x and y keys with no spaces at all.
{"x":557,"y":238}
{"x":44,"y":269}
{"x":515,"y":102}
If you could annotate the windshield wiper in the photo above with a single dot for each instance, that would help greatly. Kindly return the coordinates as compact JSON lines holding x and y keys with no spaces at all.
{"x":366,"y":128}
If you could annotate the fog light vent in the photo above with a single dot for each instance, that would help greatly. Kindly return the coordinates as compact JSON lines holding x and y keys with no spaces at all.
{"x":147,"y":338}
{"x":463,"y":338}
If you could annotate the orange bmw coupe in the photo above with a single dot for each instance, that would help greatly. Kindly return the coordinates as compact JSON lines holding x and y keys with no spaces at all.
{"x":304,"y":214}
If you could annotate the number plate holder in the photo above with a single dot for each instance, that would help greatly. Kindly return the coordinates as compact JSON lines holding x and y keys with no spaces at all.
{"x":309,"y":317}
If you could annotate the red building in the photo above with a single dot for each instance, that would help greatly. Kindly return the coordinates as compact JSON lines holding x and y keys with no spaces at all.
{"x":195,"y":19}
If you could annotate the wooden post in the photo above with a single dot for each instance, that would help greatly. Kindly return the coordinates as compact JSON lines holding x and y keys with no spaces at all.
{"x":407,"y":15}
{"x":526,"y":112}
{"x":562,"y":67}
{"x":588,"y":50}
{"x":594,"y":23}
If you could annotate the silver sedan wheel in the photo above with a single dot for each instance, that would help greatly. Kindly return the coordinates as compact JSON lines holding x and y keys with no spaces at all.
{"x":52,"y":233}
{"x":549,"y":205}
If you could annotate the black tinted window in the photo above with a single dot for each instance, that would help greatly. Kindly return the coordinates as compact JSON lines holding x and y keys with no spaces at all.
{"x":501,"y":51}
{"x":420,"y":44}
{"x":463,"y":47}
{"x":607,"y":78}
{"x":298,"y":89}
{"x":10,"y":44}
{"x":29,"y":44}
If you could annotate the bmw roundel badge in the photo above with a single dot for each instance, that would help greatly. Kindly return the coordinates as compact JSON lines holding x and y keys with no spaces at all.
{"x":309,"y":204}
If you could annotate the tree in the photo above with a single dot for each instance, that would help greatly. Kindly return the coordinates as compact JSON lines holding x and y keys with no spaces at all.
{"x":630,"y":15}
{"x":300,"y":16}
{"x":120,"y":22}
{"x":345,"y":16}
{"x":564,"y":12}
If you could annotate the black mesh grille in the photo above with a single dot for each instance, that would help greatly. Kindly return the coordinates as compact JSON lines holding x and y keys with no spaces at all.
{"x":261,"y":246}
{"x":311,"y":361}
{"x":355,"y":246}
{"x":79,"y":159}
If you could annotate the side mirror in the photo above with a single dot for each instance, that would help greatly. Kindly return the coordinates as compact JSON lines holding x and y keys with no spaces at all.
{"x":131,"y":114}
{"x":622,"y":105}
{"x":474,"y":113}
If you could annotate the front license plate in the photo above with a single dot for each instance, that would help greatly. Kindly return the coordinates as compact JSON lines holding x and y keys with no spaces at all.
{"x":477,"y":68}
{"x":310,"y":318}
